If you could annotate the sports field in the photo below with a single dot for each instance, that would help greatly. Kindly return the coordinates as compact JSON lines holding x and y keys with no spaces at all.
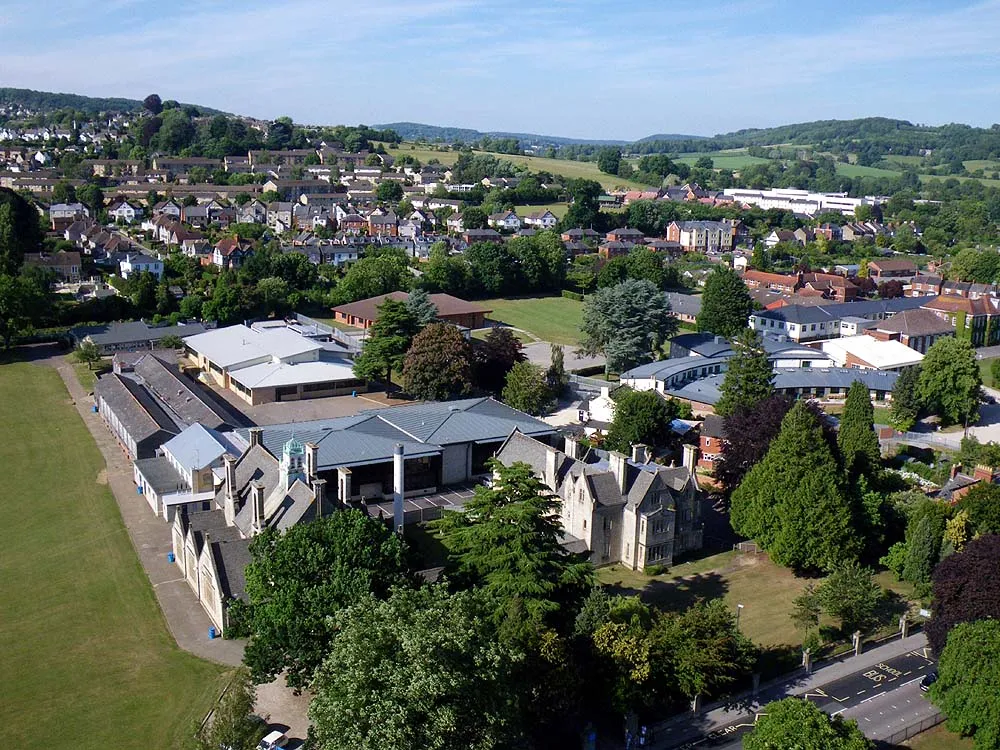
{"x":87,"y":661}
{"x":554,"y":319}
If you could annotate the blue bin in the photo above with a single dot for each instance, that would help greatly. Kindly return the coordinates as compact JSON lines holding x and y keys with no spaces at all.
{"x":170,"y":557}
{"x":354,"y":394}
{"x":138,"y":490}
{"x":211,"y":632}
{"x":94,"y":408}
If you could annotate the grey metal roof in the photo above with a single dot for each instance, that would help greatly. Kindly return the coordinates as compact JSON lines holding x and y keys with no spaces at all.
{"x":825,"y":313}
{"x":422,"y":429}
{"x":184,"y":398}
{"x":160,"y":475}
{"x":198,"y":447}
{"x":134,"y":407}
{"x":707,"y":390}
{"x":135,"y":331}
{"x":685,"y":304}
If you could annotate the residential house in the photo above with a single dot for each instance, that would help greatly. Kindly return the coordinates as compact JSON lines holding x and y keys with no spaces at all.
{"x":71,"y":211}
{"x":619,"y":509}
{"x":231,"y":252}
{"x":471,"y":236}
{"x":702,"y":236}
{"x":780,"y":235}
{"x":924,"y":285}
{"x":775,"y":282}
{"x":626,"y":235}
{"x":252,"y":212}
{"x":66,"y":264}
{"x":125,"y":212}
{"x":383,"y":225}
{"x":353,"y":224}
{"x":136,"y":264}
{"x":881,"y":270}
{"x":541,"y":219}
{"x":580,"y":235}
{"x":713,"y":435}
{"x":506,"y":221}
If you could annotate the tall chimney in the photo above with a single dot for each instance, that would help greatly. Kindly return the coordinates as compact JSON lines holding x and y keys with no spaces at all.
{"x":319,"y":495}
{"x":344,"y":486}
{"x":690,"y":457}
{"x":256,"y":436}
{"x":398,"y":488}
{"x":619,"y":468}
{"x":572,"y":446}
{"x":312,"y":451}
{"x":640,"y":453}
{"x":230,"y":496}
{"x":551,"y":464}
{"x":257,"y":498}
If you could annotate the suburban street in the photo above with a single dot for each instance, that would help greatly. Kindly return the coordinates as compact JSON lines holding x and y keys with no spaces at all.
{"x":881,"y":694}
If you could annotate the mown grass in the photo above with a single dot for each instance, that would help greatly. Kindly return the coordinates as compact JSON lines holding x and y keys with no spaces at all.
{"x":87,"y":660}
{"x":722,"y":160}
{"x":939,"y":738}
{"x":555,"y":319}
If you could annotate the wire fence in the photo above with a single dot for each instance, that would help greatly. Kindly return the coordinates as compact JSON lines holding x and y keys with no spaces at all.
{"x":928,"y":722}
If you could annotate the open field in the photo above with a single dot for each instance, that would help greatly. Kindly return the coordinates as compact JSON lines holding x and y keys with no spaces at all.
{"x":554,"y":319}
{"x":939,"y":738}
{"x":856,"y":170}
{"x":559,"y":209}
{"x":565,"y":167}
{"x":87,"y":659}
{"x":724,"y":160}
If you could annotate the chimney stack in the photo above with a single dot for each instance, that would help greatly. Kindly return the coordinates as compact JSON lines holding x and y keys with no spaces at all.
{"x":319,"y":495}
{"x":344,"y":486}
{"x":690,"y":458}
{"x":257,"y":498}
{"x":230,"y":496}
{"x":640,"y":453}
{"x":256,"y":436}
{"x":572,"y":446}
{"x":619,"y":468}
{"x":398,"y":488}
{"x":983,"y":473}
{"x":312,"y":451}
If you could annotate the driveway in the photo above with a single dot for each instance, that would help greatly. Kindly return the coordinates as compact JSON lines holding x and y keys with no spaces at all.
{"x":540,"y":353}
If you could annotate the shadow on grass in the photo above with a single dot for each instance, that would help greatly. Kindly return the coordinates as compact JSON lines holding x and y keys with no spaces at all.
{"x":678,"y":594}
{"x":31,"y":352}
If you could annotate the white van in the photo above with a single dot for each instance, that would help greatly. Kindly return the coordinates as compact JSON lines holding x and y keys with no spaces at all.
{"x":272,"y":741}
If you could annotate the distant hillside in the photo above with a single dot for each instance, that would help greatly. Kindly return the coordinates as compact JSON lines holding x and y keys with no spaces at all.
{"x":415,"y":131}
{"x":46,"y":101}
{"x":671,"y":137}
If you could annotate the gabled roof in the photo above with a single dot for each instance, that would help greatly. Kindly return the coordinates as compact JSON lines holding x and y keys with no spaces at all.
{"x":198,"y":447}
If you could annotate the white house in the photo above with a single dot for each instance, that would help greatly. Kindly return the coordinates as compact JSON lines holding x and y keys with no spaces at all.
{"x":139,"y":263}
{"x":541,"y":219}
{"x":505,"y":220}
{"x":125,"y":212}
{"x":68,"y":211}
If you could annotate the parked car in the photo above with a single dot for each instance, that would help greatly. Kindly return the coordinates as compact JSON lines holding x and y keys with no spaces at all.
{"x":929,"y":679}
{"x":272,"y":741}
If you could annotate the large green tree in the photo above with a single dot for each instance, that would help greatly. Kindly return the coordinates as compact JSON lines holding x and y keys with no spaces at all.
{"x":494,"y":356}
{"x":20,"y":232}
{"x":22,"y":302}
{"x":856,"y":438}
{"x":374,"y":275}
{"x":725,"y":304}
{"x":966,"y":589}
{"x":627,"y":323}
{"x":905,"y":408}
{"x":640,"y":417}
{"x":234,"y":725}
{"x":793,"y":502}
{"x":968,"y":685}
{"x":387,"y":343}
{"x":749,"y":377}
{"x":849,"y":595}
{"x":797,"y":724}
{"x":297,"y":580}
{"x":421,"y":307}
{"x":526,"y":389}
{"x":422,"y":670}
{"x":950,"y":380}
{"x":507,"y":540}
{"x":438,"y":364}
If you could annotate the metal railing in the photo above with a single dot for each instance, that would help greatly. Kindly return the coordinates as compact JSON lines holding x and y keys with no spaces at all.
{"x":914,"y":729}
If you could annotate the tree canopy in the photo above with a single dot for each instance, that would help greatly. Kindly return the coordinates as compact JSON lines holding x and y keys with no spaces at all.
{"x":298,"y":579}
{"x":725,"y":304}
{"x":526,"y":389}
{"x":627,"y":323}
{"x":387,"y":343}
{"x":422,"y":670}
{"x":640,"y":417}
{"x":749,"y":376}
{"x":905,"y":407}
{"x":753,"y":430}
{"x":438,"y":364}
{"x":857,"y":440}
{"x":494,"y":356}
{"x":966,"y":587}
{"x":793,"y":502}
{"x":968,"y":676}
{"x":19,"y":230}
{"x":950,"y":380}
{"x":797,"y":723}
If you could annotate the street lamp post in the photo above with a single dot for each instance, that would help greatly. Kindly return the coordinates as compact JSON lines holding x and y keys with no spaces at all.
{"x":739,"y":611}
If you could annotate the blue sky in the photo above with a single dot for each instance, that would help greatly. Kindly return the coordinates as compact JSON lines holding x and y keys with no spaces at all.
{"x":580,"y":68}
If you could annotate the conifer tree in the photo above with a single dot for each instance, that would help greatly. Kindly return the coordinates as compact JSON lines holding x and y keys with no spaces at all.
{"x":856,"y":439}
{"x":793,"y":502}
{"x":905,"y":408}
{"x":749,"y":378}
{"x":725,"y":303}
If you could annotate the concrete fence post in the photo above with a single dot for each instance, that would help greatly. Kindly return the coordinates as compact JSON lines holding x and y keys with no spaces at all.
{"x":807,"y":660}
{"x":857,"y":643}
{"x":904,"y":626}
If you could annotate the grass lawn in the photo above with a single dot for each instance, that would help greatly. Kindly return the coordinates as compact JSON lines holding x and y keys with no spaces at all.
{"x":555,"y":319}
{"x":721,"y":160}
{"x":87,"y":659}
{"x":565,"y":167}
{"x":338,"y":325}
{"x":87,"y":375}
{"x":985,"y":372}
{"x":559,"y":209}
{"x":856,"y":170}
{"x":939,"y":738}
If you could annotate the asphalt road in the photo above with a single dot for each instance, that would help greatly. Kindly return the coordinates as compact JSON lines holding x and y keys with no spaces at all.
{"x":839,"y":696}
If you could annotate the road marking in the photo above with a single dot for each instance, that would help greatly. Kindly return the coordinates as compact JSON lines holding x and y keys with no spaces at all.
{"x":862,"y":692}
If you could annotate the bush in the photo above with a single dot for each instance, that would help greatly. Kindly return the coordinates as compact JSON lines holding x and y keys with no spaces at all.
{"x":572,"y":295}
{"x":655,"y":570}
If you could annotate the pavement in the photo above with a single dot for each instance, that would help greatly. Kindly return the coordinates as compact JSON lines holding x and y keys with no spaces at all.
{"x":876,"y":688}
{"x":540,"y":353}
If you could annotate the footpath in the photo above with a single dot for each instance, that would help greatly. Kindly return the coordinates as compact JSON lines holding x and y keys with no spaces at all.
{"x":687,"y":728}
